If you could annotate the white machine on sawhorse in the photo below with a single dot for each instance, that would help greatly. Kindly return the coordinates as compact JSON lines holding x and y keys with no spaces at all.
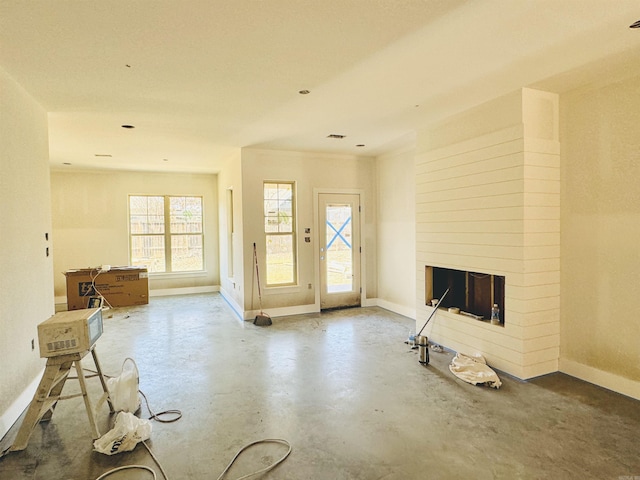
{"x":66,"y":338}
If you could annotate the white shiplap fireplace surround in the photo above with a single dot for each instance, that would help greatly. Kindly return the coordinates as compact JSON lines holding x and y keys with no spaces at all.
{"x":488,"y":200}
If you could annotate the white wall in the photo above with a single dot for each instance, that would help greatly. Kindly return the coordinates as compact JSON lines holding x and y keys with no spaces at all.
{"x":601,"y":235}
{"x":26,"y":282}
{"x":396,"y":227}
{"x":231,"y":261}
{"x":488,"y":194}
{"x":310,"y":171}
{"x":91,"y":225}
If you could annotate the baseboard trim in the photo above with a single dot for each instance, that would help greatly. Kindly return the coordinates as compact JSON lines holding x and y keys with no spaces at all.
{"x":392,"y":307}
{"x":20,"y":404}
{"x":283,"y":311}
{"x":167,"y":292}
{"x":601,"y":378}
{"x":370,"y":302}
{"x":232,"y":303}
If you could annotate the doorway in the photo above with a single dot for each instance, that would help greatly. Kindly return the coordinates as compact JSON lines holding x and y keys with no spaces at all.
{"x":339,"y":244}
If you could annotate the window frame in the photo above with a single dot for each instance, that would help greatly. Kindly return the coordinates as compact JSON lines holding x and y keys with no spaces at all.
{"x":167,"y":234}
{"x":292,"y":234}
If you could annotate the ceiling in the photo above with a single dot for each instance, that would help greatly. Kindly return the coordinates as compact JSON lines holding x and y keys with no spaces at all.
{"x":199,"y":79}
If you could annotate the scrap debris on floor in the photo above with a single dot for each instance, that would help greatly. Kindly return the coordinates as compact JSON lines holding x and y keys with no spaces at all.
{"x":472,"y":369}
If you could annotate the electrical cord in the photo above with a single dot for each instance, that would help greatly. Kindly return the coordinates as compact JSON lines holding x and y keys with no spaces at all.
{"x":153,"y":416}
{"x":263,"y":470}
{"x":177,"y":415}
{"x":156,"y":416}
{"x":93,"y":286}
{"x":224,"y":472}
{"x":129,"y":467}
{"x":155,"y":459}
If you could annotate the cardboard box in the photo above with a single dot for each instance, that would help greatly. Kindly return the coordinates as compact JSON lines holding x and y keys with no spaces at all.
{"x":120,"y":286}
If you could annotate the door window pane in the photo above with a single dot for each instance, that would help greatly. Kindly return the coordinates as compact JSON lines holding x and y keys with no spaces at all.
{"x":339,"y":251}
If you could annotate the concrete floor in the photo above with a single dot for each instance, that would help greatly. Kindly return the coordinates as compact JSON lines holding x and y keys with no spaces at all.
{"x":344,"y":389}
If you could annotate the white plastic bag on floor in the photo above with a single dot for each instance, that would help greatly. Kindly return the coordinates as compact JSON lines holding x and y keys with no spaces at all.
{"x":123,"y":389}
{"x":474,"y":370}
{"x":127,"y":432}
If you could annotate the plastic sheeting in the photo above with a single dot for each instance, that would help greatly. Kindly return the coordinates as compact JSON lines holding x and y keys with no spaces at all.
{"x":127,"y":432}
{"x":474,"y":370}
{"x":123,"y":389}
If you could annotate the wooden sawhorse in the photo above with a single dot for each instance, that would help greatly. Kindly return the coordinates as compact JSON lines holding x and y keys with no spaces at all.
{"x":49,"y":393}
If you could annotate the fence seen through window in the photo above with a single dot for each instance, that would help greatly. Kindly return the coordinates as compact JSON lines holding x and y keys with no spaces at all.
{"x":166,"y":233}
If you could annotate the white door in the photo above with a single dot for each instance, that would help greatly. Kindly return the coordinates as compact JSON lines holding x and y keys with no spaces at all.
{"x":339,"y":243}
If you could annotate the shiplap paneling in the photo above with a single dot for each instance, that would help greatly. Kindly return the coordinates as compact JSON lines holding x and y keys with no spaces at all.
{"x":491,"y":204}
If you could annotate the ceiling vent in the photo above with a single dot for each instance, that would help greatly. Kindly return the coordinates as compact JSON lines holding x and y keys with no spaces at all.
{"x":335,"y":135}
{"x":635,"y":24}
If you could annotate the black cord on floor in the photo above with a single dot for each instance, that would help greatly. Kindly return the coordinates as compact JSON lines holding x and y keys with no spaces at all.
{"x":156,"y":416}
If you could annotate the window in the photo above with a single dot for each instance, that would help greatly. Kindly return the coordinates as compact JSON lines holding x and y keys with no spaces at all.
{"x":166,"y":233}
{"x":280,"y":228}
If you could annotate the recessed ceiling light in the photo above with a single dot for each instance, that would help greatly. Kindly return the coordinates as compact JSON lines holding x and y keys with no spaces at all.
{"x":128,"y":126}
{"x":635,"y":24}
{"x":335,"y":135}
{"x":304,"y":92}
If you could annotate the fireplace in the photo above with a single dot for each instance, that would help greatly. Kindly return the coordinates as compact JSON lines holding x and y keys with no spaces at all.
{"x":470,"y":293}
{"x":488,"y":228}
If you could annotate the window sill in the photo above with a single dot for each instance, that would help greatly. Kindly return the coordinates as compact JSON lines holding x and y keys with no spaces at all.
{"x":282,"y":290}
{"x":161,"y":275}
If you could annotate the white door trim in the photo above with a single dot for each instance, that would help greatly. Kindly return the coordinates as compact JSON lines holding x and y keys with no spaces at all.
{"x":316,"y":225}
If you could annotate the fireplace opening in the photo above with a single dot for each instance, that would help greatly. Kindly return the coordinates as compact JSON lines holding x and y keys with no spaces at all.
{"x":474,"y":293}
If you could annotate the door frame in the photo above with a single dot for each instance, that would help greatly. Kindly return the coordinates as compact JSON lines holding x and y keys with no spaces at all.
{"x":317,"y":240}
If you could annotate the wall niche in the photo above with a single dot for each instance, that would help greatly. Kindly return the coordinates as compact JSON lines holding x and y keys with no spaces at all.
{"x":474,"y":293}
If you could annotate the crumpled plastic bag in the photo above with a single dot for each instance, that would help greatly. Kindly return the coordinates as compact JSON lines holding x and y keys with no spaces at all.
{"x":127,"y":432}
{"x":474,"y":370}
{"x":123,"y":389}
